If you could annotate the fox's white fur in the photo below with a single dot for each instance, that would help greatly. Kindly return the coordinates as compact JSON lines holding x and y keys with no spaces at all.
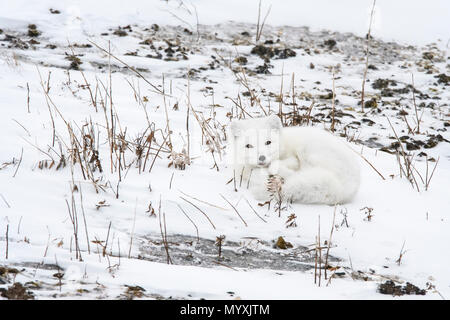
{"x":316,"y":167}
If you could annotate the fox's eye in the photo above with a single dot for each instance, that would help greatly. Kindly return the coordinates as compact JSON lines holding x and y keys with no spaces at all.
{"x":249,"y":146}
{"x":268,"y":142}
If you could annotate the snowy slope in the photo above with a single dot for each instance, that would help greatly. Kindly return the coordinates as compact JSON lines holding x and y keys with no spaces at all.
{"x":120,"y":212}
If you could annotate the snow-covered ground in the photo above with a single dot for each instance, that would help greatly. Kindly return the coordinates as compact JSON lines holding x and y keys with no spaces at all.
{"x":179,"y":67}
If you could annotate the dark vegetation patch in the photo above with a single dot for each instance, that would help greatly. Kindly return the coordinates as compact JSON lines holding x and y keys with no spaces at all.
{"x":390,"y":288}
{"x":263,"y":69}
{"x":5,"y":271}
{"x":267,"y":52}
{"x":82,"y":45}
{"x":443,"y":78}
{"x":16,"y":292}
{"x":241,"y":60}
{"x":428,"y":55}
{"x":283,"y":244}
{"x":330,"y":43}
{"x":75,"y":62}
{"x":15,"y":42}
{"x":383,"y":83}
{"x":33,"y":31}
{"x":122,"y":31}
{"x":167,"y":52}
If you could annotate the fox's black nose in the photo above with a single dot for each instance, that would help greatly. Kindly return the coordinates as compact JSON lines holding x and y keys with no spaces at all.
{"x":262,"y":158}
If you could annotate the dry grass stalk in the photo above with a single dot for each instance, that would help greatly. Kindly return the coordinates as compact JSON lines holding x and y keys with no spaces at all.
{"x":407,"y":167}
{"x":367,"y":56}
{"x":256,"y":213}
{"x":193,"y":223}
{"x":428,"y":178}
{"x":163,"y":230}
{"x":108,"y":52}
{"x":370,"y":164}
{"x":275,"y":188}
{"x":329,"y":242}
{"x":18,"y":165}
{"x":402,"y":252}
{"x":320,"y":253}
{"x":415,"y":106}
{"x":235,"y":210}
{"x":7,"y":241}
{"x":333,"y":106}
{"x":132,"y":231}
{"x":28,"y":98}
{"x":212,"y":224}
{"x":259,"y":28}
{"x":204,"y":202}
{"x":218,"y":243}
{"x":84,"y":219}
{"x":74,"y":220}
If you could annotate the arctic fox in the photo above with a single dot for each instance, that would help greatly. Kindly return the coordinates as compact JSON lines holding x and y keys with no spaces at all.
{"x":312,"y":165}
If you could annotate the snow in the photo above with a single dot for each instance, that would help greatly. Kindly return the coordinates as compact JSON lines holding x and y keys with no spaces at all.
{"x":33,"y":201}
{"x":414,"y":22}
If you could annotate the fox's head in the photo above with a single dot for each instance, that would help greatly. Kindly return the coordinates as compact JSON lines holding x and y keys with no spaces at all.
{"x":256,"y":141}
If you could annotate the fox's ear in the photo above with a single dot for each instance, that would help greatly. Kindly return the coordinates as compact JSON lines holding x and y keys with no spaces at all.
{"x":275,"y":122}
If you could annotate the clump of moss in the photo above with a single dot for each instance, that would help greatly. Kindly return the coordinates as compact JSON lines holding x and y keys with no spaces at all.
{"x":241,"y":60}
{"x":283,"y":244}
{"x":372,"y":103}
{"x":75,"y":62}
{"x":33,"y":31}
